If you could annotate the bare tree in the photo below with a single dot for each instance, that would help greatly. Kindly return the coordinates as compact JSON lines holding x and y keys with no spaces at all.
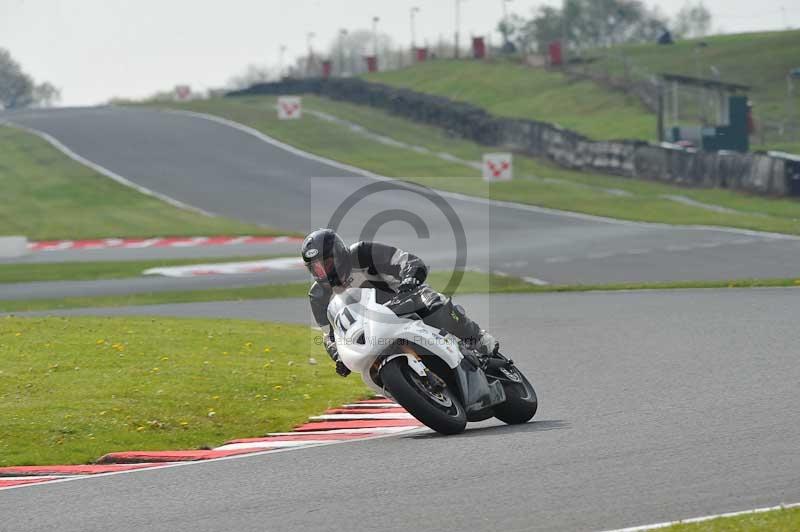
{"x":588,"y":24}
{"x":46,"y":94}
{"x":347,"y":52}
{"x":693,"y":20}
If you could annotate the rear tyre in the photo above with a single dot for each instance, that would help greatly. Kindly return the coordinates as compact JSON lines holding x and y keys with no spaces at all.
{"x":436,"y":407}
{"x":521,"y":402}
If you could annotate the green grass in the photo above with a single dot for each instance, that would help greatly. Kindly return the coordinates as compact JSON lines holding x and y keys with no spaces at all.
{"x":760,"y":60}
{"x":784,"y":520}
{"x":340,"y":143}
{"x":94,"y":271}
{"x":472,"y":283}
{"x":513,"y":90}
{"x":46,"y":196}
{"x":72,"y":389}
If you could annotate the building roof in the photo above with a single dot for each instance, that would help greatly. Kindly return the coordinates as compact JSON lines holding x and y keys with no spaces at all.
{"x":705,"y":83}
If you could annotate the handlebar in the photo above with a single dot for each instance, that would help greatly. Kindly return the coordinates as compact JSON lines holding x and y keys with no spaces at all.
{"x":396,"y":303}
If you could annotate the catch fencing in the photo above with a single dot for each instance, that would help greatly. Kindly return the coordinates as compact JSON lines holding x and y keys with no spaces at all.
{"x":770,"y":174}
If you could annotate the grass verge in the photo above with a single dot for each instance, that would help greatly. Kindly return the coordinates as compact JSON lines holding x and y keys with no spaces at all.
{"x":72,"y":389}
{"x":473,"y":283}
{"x":552,"y":186}
{"x":47,"y":196}
{"x":784,"y":520}
{"x":100,"y":270}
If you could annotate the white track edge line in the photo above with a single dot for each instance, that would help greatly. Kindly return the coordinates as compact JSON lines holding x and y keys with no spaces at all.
{"x":201,"y":462}
{"x":466,"y":198}
{"x":108,"y":173}
{"x":704,"y":518}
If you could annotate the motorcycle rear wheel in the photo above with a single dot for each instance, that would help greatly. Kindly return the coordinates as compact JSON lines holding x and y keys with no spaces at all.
{"x":521,"y":401}
{"x":438,"y":409}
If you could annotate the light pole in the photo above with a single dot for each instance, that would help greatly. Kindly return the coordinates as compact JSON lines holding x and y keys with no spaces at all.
{"x":413,"y":11}
{"x":310,"y":35}
{"x":281,"y":51}
{"x":375,"y":36}
{"x":458,"y":28}
{"x":342,"y":35}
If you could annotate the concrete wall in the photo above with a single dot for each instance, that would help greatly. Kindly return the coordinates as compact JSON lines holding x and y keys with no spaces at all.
{"x":752,"y":172}
{"x":12,"y":247}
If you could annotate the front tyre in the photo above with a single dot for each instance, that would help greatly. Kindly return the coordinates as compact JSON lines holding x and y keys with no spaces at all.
{"x":521,"y":402}
{"x":435,"y":406}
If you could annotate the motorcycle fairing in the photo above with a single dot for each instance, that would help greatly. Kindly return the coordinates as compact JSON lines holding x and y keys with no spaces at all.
{"x":363,"y":327}
{"x":478,"y":394}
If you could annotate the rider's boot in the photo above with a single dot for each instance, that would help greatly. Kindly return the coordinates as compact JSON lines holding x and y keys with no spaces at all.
{"x":442,"y":313}
{"x":472,"y":335}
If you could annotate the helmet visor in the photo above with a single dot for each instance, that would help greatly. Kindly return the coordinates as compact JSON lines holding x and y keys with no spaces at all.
{"x":321,"y":270}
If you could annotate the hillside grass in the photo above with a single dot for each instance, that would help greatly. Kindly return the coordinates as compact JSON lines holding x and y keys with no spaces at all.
{"x":512,"y":90}
{"x":760,"y":60}
{"x":73,"y":389}
{"x":573,"y":191}
{"x":46,"y":195}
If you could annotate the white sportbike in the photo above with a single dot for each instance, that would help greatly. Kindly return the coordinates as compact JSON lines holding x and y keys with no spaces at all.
{"x":430,"y":372}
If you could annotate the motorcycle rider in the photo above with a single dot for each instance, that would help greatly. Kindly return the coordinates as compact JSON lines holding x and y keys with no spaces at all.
{"x":390,"y":271}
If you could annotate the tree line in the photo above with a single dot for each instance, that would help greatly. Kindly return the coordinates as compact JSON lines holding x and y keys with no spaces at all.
{"x":586,"y":24}
{"x":18,"y":89}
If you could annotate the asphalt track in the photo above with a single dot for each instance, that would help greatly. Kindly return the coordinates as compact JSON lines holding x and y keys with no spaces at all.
{"x":227,"y":171}
{"x":655,"y":406}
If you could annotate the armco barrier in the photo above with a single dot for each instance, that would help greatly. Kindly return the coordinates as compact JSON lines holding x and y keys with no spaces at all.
{"x":758,"y":173}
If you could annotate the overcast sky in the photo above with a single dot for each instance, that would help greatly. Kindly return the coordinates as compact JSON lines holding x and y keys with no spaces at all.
{"x":96,"y":49}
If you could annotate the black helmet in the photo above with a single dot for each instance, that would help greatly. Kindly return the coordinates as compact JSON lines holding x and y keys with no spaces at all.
{"x":327,"y":257}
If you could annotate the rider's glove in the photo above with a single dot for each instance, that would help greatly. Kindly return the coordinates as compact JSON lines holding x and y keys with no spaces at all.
{"x":341,"y":369}
{"x":409,"y":284}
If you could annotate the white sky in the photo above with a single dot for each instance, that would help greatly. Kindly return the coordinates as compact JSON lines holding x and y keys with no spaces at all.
{"x":96,"y":49}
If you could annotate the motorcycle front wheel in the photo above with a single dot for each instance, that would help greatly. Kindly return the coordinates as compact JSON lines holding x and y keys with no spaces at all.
{"x":435,"y":406}
{"x":521,"y":402}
